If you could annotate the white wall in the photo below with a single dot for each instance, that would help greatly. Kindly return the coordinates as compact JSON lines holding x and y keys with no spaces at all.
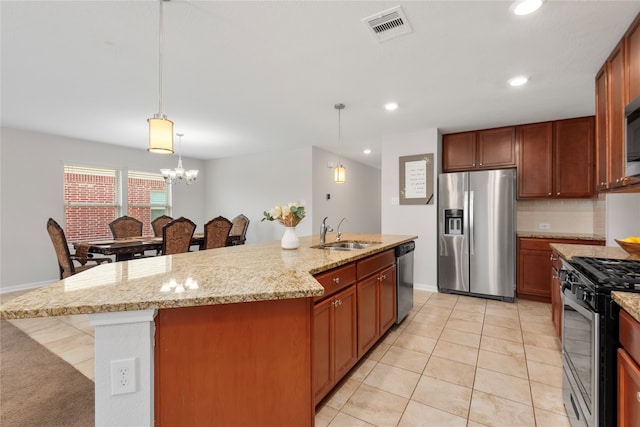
{"x":31,"y":184}
{"x":420,"y":220}
{"x":255,"y":183}
{"x":358,"y":199}
{"x":623,"y":216}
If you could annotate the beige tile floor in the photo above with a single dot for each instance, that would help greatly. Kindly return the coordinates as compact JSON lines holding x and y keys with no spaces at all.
{"x":455,"y":361}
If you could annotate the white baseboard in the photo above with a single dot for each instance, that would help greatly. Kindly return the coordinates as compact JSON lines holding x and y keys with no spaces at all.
{"x":424,"y":287}
{"x":25,"y":286}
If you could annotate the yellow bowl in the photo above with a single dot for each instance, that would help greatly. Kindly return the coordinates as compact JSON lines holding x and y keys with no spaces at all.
{"x":631,"y":248}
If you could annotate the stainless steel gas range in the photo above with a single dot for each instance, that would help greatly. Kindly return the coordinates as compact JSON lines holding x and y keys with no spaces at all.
{"x":590,"y":336}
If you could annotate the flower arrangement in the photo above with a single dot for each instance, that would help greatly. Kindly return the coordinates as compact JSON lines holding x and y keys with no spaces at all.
{"x":288,"y":215}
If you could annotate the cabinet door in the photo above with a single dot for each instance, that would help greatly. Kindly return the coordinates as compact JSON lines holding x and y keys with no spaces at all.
{"x":387,"y":299}
{"x":368,"y":330}
{"x":601,"y":130}
{"x":496,"y":148}
{"x":633,"y":59}
{"x":533,"y":271}
{"x":459,"y":151}
{"x":535,"y":146}
{"x":628,"y":390}
{"x":615,"y":155}
{"x":323,"y":363}
{"x":346,"y":351}
{"x":573,"y":158}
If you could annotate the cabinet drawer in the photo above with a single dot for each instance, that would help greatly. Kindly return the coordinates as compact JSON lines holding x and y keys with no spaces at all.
{"x":375,"y":263}
{"x":535,"y":244}
{"x":336,"y":279}
{"x":630,"y":335}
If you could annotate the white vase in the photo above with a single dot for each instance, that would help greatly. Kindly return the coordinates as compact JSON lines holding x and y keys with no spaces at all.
{"x":289,"y":239}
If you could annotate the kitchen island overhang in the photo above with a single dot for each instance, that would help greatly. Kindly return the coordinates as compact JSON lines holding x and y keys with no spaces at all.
{"x":217,"y":296}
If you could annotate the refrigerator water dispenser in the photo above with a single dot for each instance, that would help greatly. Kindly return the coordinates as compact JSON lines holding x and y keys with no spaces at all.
{"x":453,"y":221}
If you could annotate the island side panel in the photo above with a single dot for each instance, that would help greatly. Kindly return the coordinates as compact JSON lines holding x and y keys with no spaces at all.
{"x":235,"y":364}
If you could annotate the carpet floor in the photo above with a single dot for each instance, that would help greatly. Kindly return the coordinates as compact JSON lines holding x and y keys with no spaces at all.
{"x":37,"y":388}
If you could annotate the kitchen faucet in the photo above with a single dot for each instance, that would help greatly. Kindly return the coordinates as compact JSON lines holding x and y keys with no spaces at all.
{"x":324,"y":227}
{"x":338,"y":229}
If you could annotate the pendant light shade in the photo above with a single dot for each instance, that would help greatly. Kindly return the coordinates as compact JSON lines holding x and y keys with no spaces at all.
{"x":339,"y":173}
{"x":160,"y":128}
{"x":160,"y":135}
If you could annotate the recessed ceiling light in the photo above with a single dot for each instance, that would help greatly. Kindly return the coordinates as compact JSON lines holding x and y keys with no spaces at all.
{"x":518,"y":81}
{"x":525,"y":7}
{"x":366,"y":151}
{"x":390,"y":106}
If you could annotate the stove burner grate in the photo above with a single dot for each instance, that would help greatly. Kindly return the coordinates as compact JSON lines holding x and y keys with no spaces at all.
{"x":610,"y":273}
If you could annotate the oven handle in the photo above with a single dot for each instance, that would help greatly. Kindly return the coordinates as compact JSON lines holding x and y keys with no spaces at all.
{"x":575,"y":304}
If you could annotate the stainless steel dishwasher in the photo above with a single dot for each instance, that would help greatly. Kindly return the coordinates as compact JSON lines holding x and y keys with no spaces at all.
{"x":404,"y":279}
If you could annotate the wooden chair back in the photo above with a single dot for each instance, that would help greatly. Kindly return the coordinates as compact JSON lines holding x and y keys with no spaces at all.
{"x":239,"y":228}
{"x":125,"y":226}
{"x":177,"y":235}
{"x":59,"y":240}
{"x":216,"y":233}
{"x":158,"y":223}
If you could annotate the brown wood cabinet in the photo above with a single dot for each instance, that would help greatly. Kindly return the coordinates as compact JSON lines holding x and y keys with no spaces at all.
{"x":376,"y":290}
{"x":556,"y":159}
{"x":556,"y":293}
{"x":629,"y":372}
{"x":617,"y":83}
{"x":535,"y":263}
{"x":483,"y":149}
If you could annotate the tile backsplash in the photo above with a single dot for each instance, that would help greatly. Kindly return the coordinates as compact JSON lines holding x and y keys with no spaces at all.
{"x":563,"y":215}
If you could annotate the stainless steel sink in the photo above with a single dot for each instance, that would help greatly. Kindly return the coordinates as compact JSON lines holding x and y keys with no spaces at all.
{"x":347,"y":245}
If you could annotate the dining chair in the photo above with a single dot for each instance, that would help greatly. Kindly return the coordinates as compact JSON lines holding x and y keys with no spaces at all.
{"x":65,"y":258}
{"x":125,"y":226}
{"x":216,"y":233}
{"x":177,"y":235}
{"x":238,"y":232}
{"x":158,"y":223}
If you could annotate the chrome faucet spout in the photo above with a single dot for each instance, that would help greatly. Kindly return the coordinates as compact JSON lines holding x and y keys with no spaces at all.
{"x":324,"y":227}
{"x":338,"y":234}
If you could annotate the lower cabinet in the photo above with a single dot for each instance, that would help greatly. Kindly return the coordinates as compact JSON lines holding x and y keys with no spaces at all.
{"x":629,"y":372}
{"x":335,"y":334}
{"x":556,"y":293}
{"x":358,"y":307}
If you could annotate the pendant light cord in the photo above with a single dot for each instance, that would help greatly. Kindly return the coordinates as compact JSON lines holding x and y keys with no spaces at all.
{"x":160,"y":40}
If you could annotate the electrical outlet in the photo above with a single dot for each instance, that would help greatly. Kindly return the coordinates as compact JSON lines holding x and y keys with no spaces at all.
{"x":123,"y":376}
{"x":544,"y":226}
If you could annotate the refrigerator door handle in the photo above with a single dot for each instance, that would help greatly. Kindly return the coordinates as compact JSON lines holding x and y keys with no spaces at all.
{"x":470,"y":225}
{"x":465,"y":223}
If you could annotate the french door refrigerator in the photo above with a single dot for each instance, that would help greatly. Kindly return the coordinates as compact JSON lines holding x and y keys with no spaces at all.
{"x":476,"y":233}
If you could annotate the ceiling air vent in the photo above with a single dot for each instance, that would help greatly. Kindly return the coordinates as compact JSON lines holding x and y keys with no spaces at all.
{"x":388,"y":24}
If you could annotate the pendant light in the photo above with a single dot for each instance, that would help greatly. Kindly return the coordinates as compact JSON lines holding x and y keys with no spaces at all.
{"x":160,"y":128}
{"x":339,"y":173}
{"x":179,"y":175}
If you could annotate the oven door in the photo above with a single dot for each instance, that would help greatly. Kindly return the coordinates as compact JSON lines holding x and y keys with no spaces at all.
{"x":579,"y":358}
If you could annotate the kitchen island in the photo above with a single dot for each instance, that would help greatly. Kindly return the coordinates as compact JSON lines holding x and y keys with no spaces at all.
{"x":222,"y":336}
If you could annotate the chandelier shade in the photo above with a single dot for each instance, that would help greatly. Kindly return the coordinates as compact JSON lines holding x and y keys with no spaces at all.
{"x":160,"y":135}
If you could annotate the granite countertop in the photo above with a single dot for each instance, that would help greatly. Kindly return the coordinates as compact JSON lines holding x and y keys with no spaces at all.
{"x":569,"y":251}
{"x":244,"y":273}
{"x":629,"y":301}
{"x":558,"y":235}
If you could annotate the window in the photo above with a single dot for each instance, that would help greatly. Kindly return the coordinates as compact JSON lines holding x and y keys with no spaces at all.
{"x":93,"y":197}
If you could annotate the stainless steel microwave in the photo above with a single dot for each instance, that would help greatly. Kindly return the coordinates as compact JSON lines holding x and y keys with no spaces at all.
{"x":632,"y":144}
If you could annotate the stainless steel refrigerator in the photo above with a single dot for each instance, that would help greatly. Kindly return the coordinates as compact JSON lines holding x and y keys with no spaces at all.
{"x":476,"y":233}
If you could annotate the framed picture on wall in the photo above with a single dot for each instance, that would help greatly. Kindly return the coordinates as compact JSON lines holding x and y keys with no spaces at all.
{"x":416,"y":179}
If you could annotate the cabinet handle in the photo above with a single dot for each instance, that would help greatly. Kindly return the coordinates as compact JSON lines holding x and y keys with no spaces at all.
{"x":384,"y":277}
{"x":336,"y":280}
{"x":638,"y":396}
{"x":549,"y":194}
{"x":553,"y":258}
{"x":558,"y":193}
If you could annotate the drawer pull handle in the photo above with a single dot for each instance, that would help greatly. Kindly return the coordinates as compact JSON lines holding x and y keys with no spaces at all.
{"x":384,"y":277}
{"x":336,"y":280}
{"x":638,"y":396}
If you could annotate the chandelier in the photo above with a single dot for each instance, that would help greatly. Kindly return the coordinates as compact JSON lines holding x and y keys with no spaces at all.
{"x":179,"y":175}
{"x":160,"y":128}
{"x":339,"y":173}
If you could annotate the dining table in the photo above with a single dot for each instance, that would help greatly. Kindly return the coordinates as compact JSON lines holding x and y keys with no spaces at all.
{"x":125,"y":249}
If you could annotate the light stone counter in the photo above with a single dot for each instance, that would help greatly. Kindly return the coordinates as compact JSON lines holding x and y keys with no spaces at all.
{"x":558,"y":235}
{"x":569,"y":251}
{"x":245,"y":273}
{"x":630,"y":302}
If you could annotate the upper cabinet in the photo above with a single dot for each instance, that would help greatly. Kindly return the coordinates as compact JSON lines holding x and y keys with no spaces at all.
{"x":617,"y":83}
{"x":484,"y":149}
{"x":556,"y":159}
